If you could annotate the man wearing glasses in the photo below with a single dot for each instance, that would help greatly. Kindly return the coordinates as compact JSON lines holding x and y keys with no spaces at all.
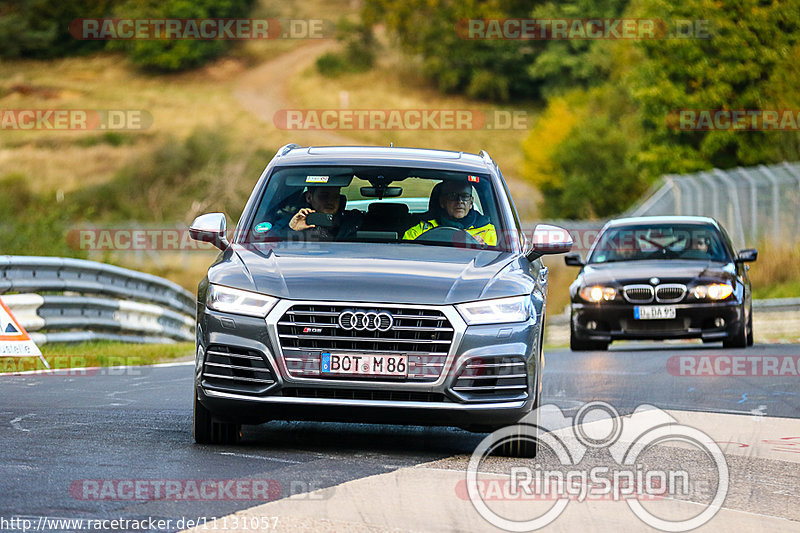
{"x":456,"y":211}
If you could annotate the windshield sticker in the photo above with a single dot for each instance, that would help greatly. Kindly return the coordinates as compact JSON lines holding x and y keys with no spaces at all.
{"x":473,"y":179}
{"x":317,"y":179}
{"x":263,"y":227}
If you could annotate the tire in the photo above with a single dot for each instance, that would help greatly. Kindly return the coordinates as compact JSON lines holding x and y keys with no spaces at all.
{"x":750,"y":340}
{"x":739,"y":338}
{"x":208,"y":430}
{"x":580,"y":345}
{"x":524,"y":445}
{"x":520,"y":440}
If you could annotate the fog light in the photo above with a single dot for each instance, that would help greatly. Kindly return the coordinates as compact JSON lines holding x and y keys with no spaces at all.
{"x":591,"y":324}
{"x":719,"y":322}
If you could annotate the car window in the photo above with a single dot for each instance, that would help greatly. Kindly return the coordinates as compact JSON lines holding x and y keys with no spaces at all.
{"x":659,"y":241}
{"x":379,"y":204}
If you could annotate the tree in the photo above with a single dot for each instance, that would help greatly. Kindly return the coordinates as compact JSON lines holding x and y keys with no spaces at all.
{"x":752,"y":45}
{"x":433,"y":31}
{"x":40,"y":28}
{"x":563,"y":65}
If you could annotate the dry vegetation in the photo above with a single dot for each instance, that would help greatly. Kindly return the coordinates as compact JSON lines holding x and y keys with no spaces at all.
{"x":776,"y":274}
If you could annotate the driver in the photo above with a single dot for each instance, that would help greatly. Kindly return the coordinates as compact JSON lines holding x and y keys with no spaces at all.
{"x":699,"y":244}
{"x":457,"y":212}
{"x":325,"y":200}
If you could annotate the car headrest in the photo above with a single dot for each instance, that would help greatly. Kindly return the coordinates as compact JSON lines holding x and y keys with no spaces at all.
{"x":388,"y":210}
{"x":436,"y":192}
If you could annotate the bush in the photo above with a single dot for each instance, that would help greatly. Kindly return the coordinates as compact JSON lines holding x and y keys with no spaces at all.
{"x":359,"y":51}
{"x":331,"y":64}
{"x":176,"y":55}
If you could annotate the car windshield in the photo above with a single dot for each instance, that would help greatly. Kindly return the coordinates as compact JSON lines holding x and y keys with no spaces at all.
{"x":378,"y":204}
{"x":659,"y":241}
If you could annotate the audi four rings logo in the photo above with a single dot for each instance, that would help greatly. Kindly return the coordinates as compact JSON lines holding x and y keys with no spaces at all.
{"x":366,"y":320}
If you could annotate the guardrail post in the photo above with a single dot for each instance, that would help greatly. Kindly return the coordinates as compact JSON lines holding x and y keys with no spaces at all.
{"x":776,"y":198}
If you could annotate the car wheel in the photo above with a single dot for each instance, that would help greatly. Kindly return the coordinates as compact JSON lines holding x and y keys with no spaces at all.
{"x":576,"y":344}
{"x":522,"y":445}
{"x":750,"y":340}
{"x":207,"y":430}
{"x":521,"y":439}
{"x":738,"y":339}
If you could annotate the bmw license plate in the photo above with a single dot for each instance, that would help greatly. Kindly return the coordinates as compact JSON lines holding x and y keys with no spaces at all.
{"x":653,"y":312}
{"x":339,"y":364}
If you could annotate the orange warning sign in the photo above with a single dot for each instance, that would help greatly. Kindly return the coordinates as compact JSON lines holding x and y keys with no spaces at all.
{"x":14,"y":340}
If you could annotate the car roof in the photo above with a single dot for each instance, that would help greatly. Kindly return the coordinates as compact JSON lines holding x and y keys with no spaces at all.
{"x":633,"y":221}
{"x":384,"y":155}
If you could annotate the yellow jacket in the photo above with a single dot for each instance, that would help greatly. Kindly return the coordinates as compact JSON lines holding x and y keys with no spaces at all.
{"x":486,"y":232}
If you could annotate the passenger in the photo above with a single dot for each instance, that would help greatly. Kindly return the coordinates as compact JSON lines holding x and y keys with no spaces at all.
{"x":457,"y":212}
{"x":697,"y":249}
{"x":699,"y":244}
{"x":325,"y":200}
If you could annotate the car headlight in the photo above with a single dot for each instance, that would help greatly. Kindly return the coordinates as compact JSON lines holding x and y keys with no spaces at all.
{"x":239,"y":302}
{"x":597,"y":293}
{"x":715,"y":291}
{"x":498,"y":311}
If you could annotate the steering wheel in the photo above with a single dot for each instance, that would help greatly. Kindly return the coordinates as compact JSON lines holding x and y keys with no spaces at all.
{"x":448,"y":234}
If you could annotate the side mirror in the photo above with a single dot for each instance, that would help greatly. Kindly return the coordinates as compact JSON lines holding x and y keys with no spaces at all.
{"x":747,"y":256}
{"x":573,"y":260}
{"x":548,"y":240}
{"x":212,"y":228}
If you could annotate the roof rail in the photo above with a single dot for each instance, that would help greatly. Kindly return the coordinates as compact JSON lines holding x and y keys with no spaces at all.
{"x":487,"y":158}
{"x":286,"y":149}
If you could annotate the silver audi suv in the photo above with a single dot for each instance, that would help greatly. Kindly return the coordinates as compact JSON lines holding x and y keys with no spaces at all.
{"x":372,"y":284}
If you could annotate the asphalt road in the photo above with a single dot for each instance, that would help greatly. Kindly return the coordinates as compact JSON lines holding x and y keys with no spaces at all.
{"x":630,"y":374}
{"x":135,"y":424}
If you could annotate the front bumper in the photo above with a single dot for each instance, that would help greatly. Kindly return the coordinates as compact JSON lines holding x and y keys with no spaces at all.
{"x":451,"y":399}
{"x":615,"y":321}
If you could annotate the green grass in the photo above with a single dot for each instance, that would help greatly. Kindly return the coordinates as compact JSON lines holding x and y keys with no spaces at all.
{"x":99,"y":353}
{"x":787,"y":289}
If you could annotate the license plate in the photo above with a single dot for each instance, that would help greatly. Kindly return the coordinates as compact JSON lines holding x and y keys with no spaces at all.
{"x":338,"y":364}
{"x":653,"y":312}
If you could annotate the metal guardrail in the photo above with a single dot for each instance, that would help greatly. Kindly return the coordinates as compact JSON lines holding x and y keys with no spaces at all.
{"x":37,"y":274}
{"x":143,"y":307}
{"x":777,"y":304}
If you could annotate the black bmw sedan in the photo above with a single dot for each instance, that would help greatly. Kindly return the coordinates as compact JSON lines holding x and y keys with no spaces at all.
{"x":661,"y":278}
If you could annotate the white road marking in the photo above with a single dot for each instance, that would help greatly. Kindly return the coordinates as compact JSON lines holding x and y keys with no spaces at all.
{"x":247,"y":456}
{"x":83,"y":369}
{"x":15,"y":422}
